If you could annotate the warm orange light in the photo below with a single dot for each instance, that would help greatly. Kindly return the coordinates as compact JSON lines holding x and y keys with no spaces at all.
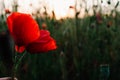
{"x":60,"y":7}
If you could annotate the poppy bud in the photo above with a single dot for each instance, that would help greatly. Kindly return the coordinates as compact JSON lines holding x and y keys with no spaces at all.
{"x":98,"y":18}
{"x":7,"y":11}
{"x":109,"y":24}
{"x":72,"y":7}
{"x":44,"y":26}
{"x":109,"y":2}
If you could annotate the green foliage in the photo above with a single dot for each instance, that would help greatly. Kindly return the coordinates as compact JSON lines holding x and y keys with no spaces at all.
{"x":83,"y":45}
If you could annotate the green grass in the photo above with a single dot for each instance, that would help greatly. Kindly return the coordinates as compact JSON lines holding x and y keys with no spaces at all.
{"x":83,"y":45}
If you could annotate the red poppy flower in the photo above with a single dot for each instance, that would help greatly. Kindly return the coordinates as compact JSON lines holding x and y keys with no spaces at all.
{"x":44,"y":43}
{"x":26,"y":34}
{"x":23,"y":28}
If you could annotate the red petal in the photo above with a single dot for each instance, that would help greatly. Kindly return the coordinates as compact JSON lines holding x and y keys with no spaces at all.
{"x":19,"y":49}
{"x":10,"y":21}
{"x":44,"y":43}
{"x":23,"y":28}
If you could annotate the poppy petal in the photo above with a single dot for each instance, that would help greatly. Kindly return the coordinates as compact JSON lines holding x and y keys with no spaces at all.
{"x":23,"y":28}
{"x":10,"y":21}
{"x":19,"y":49}
{"x":44,"y":43}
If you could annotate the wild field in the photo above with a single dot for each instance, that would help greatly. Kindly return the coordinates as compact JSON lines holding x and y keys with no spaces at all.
{"x":88,"y":49}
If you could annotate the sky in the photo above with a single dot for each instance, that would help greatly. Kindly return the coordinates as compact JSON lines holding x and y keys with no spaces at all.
{"x":60,"y":7}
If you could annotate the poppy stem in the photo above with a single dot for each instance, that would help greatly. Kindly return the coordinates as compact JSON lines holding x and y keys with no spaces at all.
{"x":15,"y":60}
{"x":19,"y":61}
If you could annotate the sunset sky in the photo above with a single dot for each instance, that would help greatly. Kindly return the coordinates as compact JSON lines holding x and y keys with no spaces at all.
{"x":60,"y":7}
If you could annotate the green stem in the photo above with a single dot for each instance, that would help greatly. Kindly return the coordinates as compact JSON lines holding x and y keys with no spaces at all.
{"x":19,"y":61}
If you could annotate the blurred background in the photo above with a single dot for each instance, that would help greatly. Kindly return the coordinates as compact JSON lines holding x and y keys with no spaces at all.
{"x":87,"y":35}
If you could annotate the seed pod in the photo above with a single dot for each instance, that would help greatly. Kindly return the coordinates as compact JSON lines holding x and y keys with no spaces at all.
{"x":109,"y":2}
